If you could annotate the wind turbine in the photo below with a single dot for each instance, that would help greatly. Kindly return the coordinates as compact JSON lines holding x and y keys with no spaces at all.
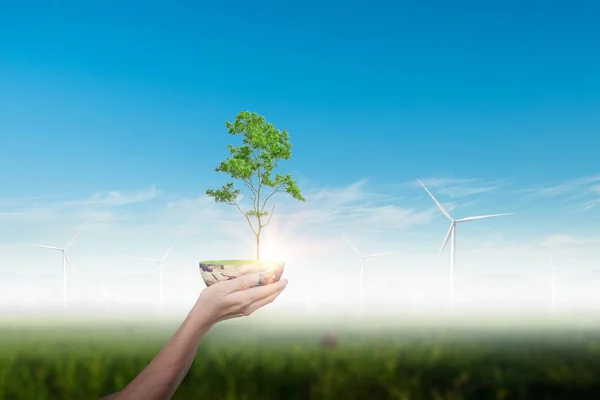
{"x":160,"y":268}
{"x":361,"y":270}
{"x":104,"y":291}
{"x":65,"y":260}
{"x":451,"y":235}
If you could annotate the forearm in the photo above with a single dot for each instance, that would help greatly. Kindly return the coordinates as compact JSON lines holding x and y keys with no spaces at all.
{"x":162,"y":376}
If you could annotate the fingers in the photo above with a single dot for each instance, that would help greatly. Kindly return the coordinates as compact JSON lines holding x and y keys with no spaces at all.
{"x":257,"y":293}
{"x":265,"y":300}
{"x":245,"y":281}
{"x":252,"y":268}
{"x":244,"y":302}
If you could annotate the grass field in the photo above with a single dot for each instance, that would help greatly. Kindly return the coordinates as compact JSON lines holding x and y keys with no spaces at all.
{"x":251,"y":360}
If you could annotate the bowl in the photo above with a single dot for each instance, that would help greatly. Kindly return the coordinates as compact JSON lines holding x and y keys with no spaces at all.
{"x":223,"y":270}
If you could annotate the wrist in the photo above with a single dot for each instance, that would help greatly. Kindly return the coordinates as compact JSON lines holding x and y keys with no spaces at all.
{"x":202,"y":315}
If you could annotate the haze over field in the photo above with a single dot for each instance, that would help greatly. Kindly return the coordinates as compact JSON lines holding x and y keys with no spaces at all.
{"x":499,"y":265}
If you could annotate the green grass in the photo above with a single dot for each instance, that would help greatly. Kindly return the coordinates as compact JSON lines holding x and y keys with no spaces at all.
{"x":266,"y":363}
{"x":228,"y":262}
{"x":237,"y":262}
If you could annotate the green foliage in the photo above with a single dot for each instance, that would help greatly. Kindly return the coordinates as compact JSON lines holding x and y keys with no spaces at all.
{"x":439,"y":366}
{"x":254,"y":163}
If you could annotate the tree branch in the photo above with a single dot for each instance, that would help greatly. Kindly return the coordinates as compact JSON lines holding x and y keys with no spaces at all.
{"x":270,"y":216}
{"x":246,"y":216}
{"x":257,"y":202}
{"x":251,"y":188}
{"x":275,"y":165}
{"x":269,"y":196}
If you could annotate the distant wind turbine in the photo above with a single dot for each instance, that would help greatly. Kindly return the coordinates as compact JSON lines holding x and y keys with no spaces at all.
{"x":451,"y":235}
{"x":160,"y":268}
{"x":361,"y":270}
{"x":65,"y":260}
{"x":105,"y":297}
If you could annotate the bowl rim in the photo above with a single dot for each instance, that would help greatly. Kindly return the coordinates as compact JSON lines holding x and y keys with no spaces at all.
{"x":241,"y":262}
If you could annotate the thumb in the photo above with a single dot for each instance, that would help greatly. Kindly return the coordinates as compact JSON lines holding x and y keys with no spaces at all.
{"x":247,"y":281}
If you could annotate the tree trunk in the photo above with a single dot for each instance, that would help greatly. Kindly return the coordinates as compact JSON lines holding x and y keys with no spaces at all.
{"x":258,"y":245}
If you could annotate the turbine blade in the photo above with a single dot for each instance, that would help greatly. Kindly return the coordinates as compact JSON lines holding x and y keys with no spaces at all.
{"x":144,"y":259}
{"x":354,"y":247}
{"x":170,"y":250}
{"x":444,"y":243}
{"x":46,"y":247}
{"x":360,"y":264}
{"x":437,"y":203}
{"x":380,"y":254}
{"x":75,"y":237}
{"x":69,"y":261}
{"x":482,"y":217}
{"x":103,"y":286}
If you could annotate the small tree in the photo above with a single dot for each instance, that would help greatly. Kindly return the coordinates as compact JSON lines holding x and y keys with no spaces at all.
{"x":253,"y":163}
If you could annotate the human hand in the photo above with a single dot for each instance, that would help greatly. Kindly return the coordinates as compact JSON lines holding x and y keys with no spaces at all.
{"x":237,"y":297}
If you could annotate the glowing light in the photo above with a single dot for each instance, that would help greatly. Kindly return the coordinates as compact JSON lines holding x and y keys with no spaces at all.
{"x":272,"y":248}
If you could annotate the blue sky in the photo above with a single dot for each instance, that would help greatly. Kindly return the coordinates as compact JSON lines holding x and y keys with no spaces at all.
{"x":114,"y":114}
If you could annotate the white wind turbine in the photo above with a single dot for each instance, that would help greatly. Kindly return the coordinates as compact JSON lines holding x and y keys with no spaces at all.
{"x":105,"y":297}
{"x":451,"y":235}
{"x":160,"y":268}
{"x":65,"y":260}
{"x":361,"y":270}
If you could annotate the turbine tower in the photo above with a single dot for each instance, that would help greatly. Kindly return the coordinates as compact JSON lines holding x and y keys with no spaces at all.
{"x":451,"y":235}
{"x":160,"y":268}
{"x":65,"y":260}
{"x":105,"y":297}
{"x":361,"y":270}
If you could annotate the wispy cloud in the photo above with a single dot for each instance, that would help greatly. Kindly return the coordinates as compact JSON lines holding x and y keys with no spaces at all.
{"x":359,"y":206}
{"x":557,"y":240}
{"x":390,"y":199}
{"x":564,"y":240}
{"x":459,"y":187}
{"x":20,"y":201}
{"x":584,"y":206}
{"x":96,"y":208}
{"x":353,"y":205}
{"x":115,"y":198}
{"x":584,"y":185}
{"x":579,"y":195}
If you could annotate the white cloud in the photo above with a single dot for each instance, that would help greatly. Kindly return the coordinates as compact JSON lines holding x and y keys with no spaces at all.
{"x":574,"y":241}
{"x":307,"y":234}
{"x":459,"y":187}
{"x":578,"y":195}
{"x":19,"y":201}
{"x":558,"y":240}
{"x":345,"y":206}
{"x":592,"y":196}
{"x":94,"y":209}
{"x":115,"y":198}
{"x":583,"y":185}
